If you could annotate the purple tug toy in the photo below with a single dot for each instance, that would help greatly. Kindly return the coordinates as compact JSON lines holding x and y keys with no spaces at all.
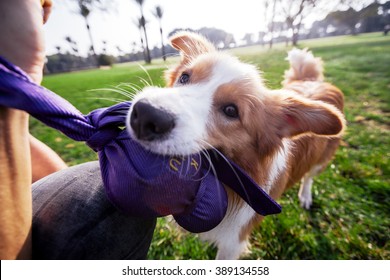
{"x":138,"y":182}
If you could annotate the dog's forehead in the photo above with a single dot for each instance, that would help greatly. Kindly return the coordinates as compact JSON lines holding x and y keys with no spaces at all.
{"x":225,"y":68}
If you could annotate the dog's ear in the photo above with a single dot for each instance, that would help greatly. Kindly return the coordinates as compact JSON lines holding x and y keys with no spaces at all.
{"x":190,"y":45}
{"x":301,"y":116}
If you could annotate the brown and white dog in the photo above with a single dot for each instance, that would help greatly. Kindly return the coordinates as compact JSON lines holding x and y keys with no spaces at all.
{"x":212,"y":100}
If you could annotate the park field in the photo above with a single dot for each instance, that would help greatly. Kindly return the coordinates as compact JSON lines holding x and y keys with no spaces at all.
{"x":350,"y":217}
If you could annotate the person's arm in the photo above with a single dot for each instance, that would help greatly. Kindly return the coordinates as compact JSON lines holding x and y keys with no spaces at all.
{"x":21,"y":44}
{"x":15,"y":185}
{"x":44,"y":160}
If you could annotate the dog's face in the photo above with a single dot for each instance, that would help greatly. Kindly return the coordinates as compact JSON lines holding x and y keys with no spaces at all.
{"x":214,"y":100}
{"x":204,"y":101}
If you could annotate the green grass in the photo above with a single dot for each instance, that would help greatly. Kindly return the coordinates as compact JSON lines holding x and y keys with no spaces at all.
{"x":350,"y":218}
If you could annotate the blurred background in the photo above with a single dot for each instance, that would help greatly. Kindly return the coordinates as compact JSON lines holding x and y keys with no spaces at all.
{"x":84,"y":34}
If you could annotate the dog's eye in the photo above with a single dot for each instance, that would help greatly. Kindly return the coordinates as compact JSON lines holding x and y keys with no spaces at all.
{"x":231,"y":111}
{"x":184,"y":78}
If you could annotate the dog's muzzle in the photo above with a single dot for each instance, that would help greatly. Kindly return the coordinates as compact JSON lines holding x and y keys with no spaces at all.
{"x":150,"y":123}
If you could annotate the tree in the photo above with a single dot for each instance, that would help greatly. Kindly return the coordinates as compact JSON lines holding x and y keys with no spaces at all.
{"x":268,"y":10}
{"x":261,"y":36}
{"x":374,"y":17}
{"x":294,"y":13}
{"x":134,"y":46}
{"x":139,"y":23}
{"x":142,"y":22}
{"x":73,"y":44}
{"x":218,"y":37}
{"x":158,"y":13}
{"x":120,"y":51}
{"x":85,"y":7}
{"x":248,"y":38}
{"x":176,"y":30}
{"x":349,"y":18}
{"x":104,"y":49}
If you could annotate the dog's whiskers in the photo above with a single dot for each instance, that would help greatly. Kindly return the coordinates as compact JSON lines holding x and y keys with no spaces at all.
{"x":132,"y":86}
{"x":114,"y":100}
{"x":144,"y":82}
{"x":147,"y":73}
{"x":116,"y":90}
{"x":211,"y":165}
{"x":226,"y":160}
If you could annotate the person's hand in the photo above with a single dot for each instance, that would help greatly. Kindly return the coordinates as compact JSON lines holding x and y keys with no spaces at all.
{"x":22,"y":43}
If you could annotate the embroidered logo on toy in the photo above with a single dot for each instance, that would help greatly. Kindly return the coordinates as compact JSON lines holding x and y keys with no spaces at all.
{"x":175,"y":164}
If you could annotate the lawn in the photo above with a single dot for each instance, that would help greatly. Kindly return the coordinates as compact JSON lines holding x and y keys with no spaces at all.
{"x":350,"y":218}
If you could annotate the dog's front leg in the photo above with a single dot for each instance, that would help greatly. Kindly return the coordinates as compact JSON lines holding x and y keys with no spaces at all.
{"x":231,"y":235}
{"x":232,"y":251}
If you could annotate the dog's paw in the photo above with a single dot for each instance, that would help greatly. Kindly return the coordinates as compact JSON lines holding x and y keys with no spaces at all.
{"x":305,"y":201}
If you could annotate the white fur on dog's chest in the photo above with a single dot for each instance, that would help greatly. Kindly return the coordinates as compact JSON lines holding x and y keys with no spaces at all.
{"x":226,"y":236}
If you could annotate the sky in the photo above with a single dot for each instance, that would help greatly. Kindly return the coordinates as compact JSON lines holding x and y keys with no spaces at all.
{"x":117,"y":27}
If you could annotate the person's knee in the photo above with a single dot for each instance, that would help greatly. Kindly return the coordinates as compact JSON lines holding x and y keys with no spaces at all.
{"x":72,"y":219}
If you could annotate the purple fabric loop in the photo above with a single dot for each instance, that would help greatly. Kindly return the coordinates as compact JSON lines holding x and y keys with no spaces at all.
{"x":107,"y":121}
{"x":138,"y":182}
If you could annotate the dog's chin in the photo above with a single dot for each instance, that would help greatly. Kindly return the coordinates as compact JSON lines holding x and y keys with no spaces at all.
{"x":168,"y":147}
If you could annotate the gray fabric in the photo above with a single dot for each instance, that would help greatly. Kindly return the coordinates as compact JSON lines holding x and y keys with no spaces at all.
{"x":72,"y":219}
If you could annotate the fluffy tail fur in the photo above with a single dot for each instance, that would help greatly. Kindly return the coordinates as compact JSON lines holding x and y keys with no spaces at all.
{"x":303,"y":67}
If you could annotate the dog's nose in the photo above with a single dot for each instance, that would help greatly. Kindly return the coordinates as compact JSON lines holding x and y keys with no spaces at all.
{"x":150,"y":123}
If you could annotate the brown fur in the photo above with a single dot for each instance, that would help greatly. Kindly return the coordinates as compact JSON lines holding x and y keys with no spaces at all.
{"x":191,"y":45}
{"x":307,"y":150}
{"x":199,"y":72}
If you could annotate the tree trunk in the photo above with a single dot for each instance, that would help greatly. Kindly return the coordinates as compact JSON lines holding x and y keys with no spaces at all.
{"x":272,"y":25}
{"x":91,"y":39}
{"x":353,"y":30}
{"x":295,"y":39}
{"x":142,"y":44}
{"x":148,"y":59}
{"x":162,"y":44}
{"x":296,"y":33}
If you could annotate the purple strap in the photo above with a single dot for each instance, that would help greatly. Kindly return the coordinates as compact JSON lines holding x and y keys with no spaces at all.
{"x":138,"y":182}
{"x":233,"y":176}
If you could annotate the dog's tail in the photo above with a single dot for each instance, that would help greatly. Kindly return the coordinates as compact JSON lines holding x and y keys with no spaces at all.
{"x":303,"y":67}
